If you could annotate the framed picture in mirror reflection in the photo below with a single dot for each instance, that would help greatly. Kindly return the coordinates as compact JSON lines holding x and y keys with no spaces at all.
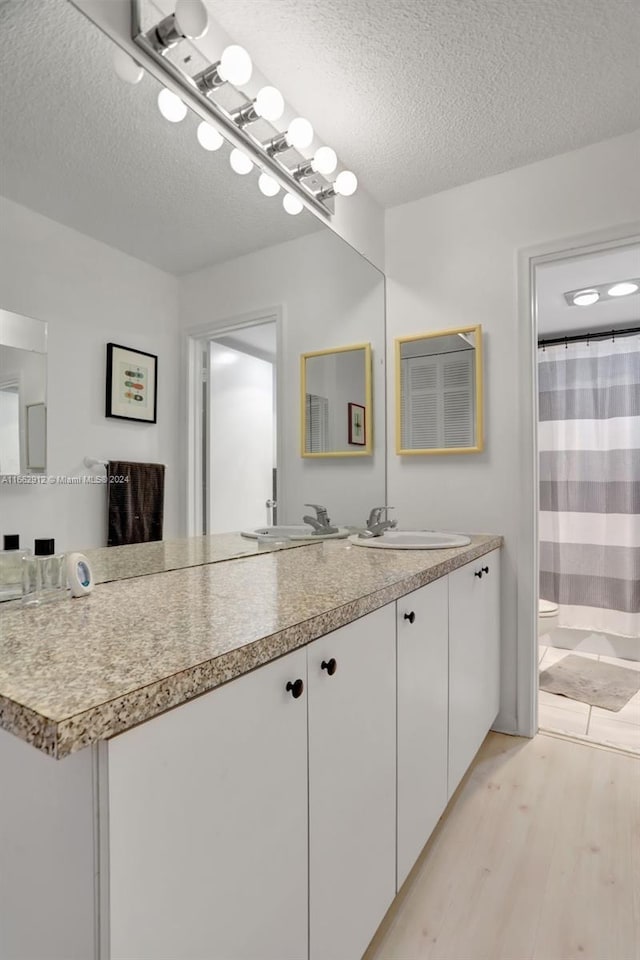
{"x":132,"y":384}
{"x":356,"y":424}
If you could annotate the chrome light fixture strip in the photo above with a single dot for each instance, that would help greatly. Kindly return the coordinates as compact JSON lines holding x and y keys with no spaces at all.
{"x":237,"y":135}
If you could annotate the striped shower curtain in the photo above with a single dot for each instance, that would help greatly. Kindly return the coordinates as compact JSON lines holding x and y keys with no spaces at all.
{"x":589,"y":441}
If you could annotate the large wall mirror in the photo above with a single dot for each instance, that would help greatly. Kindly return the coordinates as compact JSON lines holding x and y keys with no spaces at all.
{"x":335,"y":402}
{"x":439,"y":392}
{"x":23,"y":395}
{"x":120,"y":226}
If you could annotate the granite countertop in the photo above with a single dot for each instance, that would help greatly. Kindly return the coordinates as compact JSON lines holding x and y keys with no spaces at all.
{"x":74,"y":672}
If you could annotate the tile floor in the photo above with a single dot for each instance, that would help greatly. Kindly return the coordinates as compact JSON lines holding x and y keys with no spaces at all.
{"x":562,"y":715}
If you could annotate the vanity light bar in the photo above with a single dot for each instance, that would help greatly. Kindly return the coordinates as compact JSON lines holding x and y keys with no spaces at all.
{"x":190,"y":21}
{"x":587,"y":296}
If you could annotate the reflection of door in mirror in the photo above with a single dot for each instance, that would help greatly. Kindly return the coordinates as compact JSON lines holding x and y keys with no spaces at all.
{"x":23,"y":384}
{"x":241,"y":460}
{"x":439,"y":395}
{"x":336,"y":394}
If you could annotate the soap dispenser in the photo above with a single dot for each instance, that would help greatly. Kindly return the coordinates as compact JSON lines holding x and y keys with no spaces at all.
{"x":44,"y":575}
{"x":11,"y":567}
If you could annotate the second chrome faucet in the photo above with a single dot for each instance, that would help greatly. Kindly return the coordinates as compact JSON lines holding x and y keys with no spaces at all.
{"x":376,"y":525}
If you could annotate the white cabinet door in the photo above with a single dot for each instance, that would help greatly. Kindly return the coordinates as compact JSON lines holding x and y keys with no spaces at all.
{"x":208,"y":825}
{"x":352,"y":714}
{"x":422,"y":655}
{"x":474,"y":659}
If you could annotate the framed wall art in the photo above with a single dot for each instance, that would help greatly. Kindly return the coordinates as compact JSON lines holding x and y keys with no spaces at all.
{"x":357,"y":431}
{"x":132,"y":384}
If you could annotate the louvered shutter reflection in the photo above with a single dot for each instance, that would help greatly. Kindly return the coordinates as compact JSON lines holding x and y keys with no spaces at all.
{"x":437,"y":401}
{"x":317,"y":424}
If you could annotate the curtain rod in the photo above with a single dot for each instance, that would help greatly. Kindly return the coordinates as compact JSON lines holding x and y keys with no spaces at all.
{"x":599,"y":335}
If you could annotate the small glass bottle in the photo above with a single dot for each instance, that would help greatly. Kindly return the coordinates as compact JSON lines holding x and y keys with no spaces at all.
{"x":11,"y":567}
{"x":44,"y":575}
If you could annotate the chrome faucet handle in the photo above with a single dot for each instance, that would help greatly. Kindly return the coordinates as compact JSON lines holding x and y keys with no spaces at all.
{"x":376,"y":514}
{"x":321,"y":512}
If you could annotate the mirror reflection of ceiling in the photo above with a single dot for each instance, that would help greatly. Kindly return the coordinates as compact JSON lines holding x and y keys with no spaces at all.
{"x":81,"y":147}
{"x":553,"y":280}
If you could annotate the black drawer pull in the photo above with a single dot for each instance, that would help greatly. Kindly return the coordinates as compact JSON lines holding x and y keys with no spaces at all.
{"x":478,"y":573}
{"x":410,"y":617}
{"x":330,"y":666}
{"x":485,"y":569}
{"x":296,"y":688}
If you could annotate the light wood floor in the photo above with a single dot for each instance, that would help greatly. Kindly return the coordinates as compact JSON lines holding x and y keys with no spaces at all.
{"x":537,"y":858}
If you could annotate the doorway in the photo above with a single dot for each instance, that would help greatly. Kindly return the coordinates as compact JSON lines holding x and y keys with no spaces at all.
{"x":587,"y":493}
{"x":234,"y":450}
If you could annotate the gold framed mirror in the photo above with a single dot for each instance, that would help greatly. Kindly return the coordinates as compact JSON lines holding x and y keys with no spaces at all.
{"x":335,"y":402}
{"x":439,"y":392}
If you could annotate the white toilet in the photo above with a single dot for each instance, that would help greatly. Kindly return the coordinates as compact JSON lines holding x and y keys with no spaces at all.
{"x":547,"y":616}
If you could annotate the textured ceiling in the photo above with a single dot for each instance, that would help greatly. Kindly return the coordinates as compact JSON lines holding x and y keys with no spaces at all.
{"x":82,"y":147}
{"x":555,"y":316}
{"x":421,"y":95}
{"x":415,"y":95}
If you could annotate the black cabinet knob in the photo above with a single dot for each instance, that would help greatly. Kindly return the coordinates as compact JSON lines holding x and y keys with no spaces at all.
{"x":296,"y":688}
{"x":485,"y":569}
{"x":330,"y":666}
{"x":410,"y":616}
{"x":478,"y":573}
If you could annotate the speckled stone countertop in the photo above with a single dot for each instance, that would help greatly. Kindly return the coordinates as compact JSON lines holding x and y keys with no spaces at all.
{"x":74,"y":672}
{"x":142,"y":559}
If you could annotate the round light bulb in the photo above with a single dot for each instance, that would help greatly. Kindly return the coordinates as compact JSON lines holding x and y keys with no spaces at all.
{"x":235,"y":65}
{"x":126,"y":67}
{"x":586,"y":298}
{"x":346,"y":183}
{"x":299,"y":134}
{"x":268,"y":185}
{"x":240,"y":162}
{"x":208,"y":136}
{"x":192,"y":19}
{"x":171,"y":107}
{"x":269,"y":103}
{"x":291,"y":204}
{"x":325,"y":161}
{"x":622,"y":289}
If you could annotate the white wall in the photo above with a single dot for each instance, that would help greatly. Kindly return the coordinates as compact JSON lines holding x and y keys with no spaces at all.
{"x":452,"y":260}
{"x":89,"y":294}
{"x":242,"y":448}
{"x":329,"y":297}
{"x":359,"y":219}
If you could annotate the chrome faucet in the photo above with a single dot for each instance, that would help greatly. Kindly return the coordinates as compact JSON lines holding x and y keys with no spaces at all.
{"x":321,"y":523}
{"x":376,"y":525}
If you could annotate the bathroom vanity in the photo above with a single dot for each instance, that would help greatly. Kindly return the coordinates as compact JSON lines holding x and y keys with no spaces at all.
{"x":328,"y":700}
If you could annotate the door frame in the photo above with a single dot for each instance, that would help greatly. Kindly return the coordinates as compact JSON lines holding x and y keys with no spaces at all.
{"x":568,"y":248}
{"x":195,"y":337}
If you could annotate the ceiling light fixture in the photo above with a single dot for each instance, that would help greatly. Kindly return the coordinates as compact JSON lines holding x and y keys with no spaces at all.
{"x":189,"y":22}
{"x":305,"y":179}
{"x":585,"y":298}
{"x":623,"y":289}
{"x":602,"y":292}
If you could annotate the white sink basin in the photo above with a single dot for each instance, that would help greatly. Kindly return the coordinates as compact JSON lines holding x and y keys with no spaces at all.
{"x":300,"y":532}
{"x":413,"y":540}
